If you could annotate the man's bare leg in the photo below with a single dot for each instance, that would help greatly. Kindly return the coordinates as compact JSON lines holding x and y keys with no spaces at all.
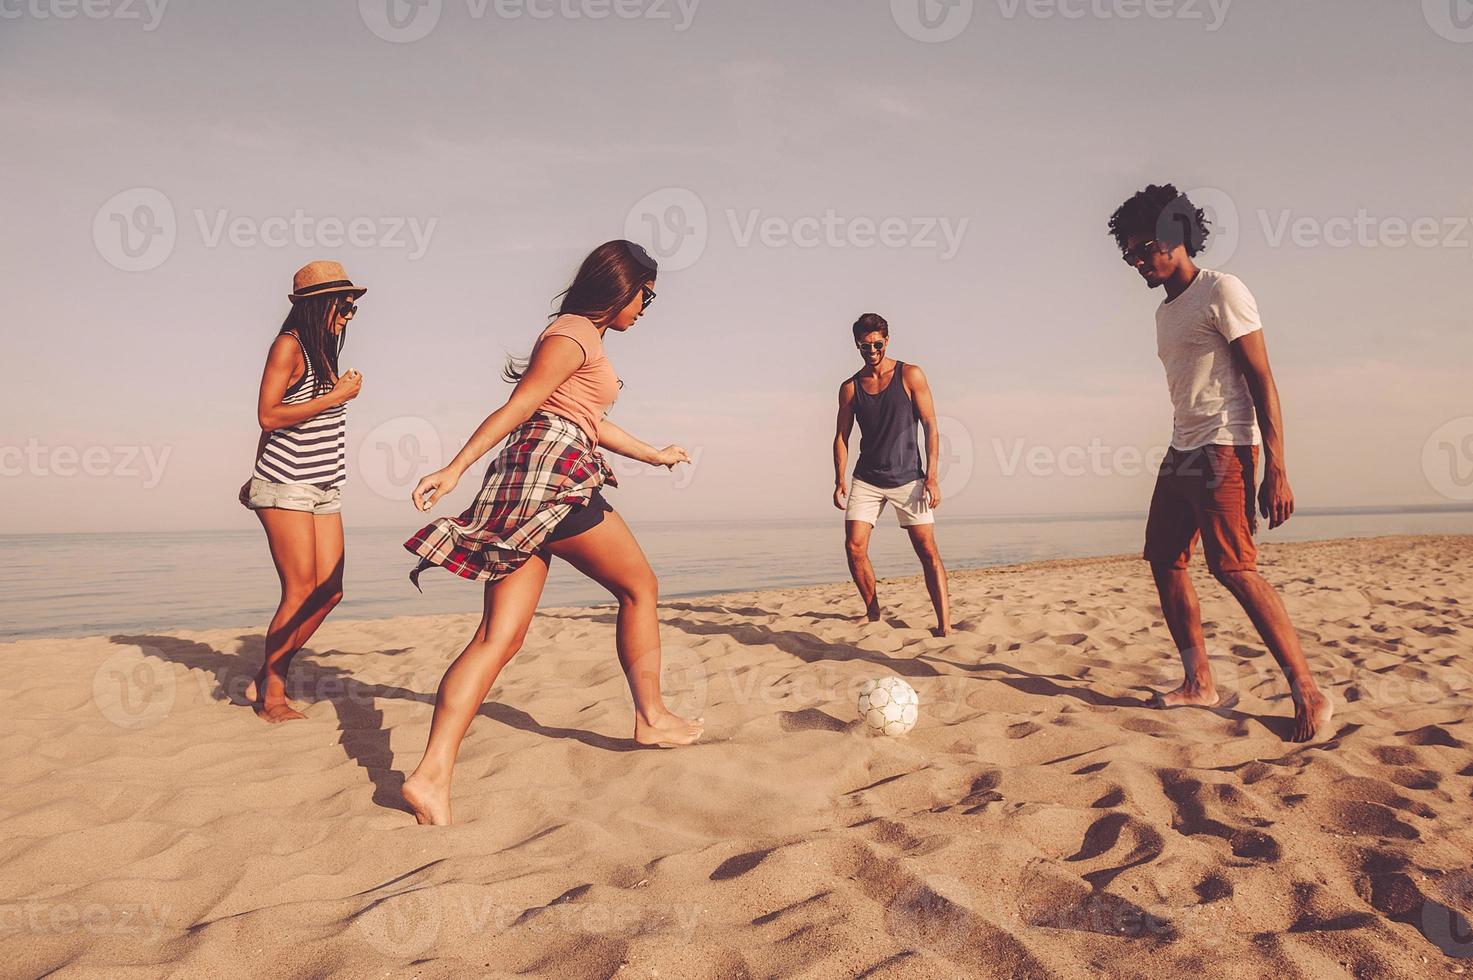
{"x":923,"y":540}
{"x":1312,"y":708}
{"x":1184,"y":618}
{"x":856,"y":545}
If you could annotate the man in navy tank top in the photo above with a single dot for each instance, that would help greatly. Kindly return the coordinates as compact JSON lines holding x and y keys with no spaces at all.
{"x":889,"y":398}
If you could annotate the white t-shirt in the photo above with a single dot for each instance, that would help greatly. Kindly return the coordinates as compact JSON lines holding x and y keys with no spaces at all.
{"x":1210,"y":396}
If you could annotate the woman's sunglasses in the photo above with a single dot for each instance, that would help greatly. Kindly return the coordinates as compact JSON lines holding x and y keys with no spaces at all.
{"x":346,"y":309}
{"x":648,"y":296}
{"x":866,"y":347}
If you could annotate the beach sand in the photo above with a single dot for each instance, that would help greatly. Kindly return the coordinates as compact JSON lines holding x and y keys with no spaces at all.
{"x":1041,"y":820}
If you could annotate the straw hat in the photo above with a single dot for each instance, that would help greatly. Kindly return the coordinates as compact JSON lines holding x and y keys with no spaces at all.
{"x":320,"y":277}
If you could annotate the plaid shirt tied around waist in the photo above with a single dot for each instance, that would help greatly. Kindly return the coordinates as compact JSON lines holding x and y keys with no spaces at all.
{"x":545,"y":469}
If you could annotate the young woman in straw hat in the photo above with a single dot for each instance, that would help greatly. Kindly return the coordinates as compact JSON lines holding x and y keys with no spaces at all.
{"x":542,"y":499}
{"x":296,"y":486}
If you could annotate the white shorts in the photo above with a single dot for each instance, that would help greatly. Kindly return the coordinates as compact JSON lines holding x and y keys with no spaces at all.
{"x":866,"y":501}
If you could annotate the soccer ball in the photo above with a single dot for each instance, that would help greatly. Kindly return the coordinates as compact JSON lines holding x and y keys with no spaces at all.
{"x":889,"y":706}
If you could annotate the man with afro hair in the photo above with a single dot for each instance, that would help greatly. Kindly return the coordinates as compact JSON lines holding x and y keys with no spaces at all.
{"x":1226,"y":405}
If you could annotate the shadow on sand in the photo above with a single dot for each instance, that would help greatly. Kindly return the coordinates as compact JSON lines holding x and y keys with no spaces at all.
{"x":361,"y":729}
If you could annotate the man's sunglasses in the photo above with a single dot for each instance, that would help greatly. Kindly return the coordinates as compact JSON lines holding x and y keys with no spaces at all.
{"x":648,"y":296}
{"x":862,"y":345}
{"x":1143,"y":251}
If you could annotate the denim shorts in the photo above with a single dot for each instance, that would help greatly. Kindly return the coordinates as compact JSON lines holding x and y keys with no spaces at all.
{"x":261,"y":494}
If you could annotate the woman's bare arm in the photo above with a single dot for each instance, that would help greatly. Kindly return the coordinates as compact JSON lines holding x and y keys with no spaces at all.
{"x":285,"y":364}
{"x":616,"y":440}
{"x":553,"y":362}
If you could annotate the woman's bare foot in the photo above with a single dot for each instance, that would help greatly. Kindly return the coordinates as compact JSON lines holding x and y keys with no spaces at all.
{"x":1312,"y":714}
{"x":278,"y":712}
{"x":939,"y":631}
{"x":668,"y":729}
{"x":251,"y":692}
{"x":429,"y":800}
{"x":1187,"y":694}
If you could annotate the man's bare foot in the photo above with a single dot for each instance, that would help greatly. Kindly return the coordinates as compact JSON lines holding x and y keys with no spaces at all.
{"x":429,"y":801}
{"x":939,"y":631}
{"x":278,"y":712}
{"x":668,"y":729}
{"x":1311,"y":715}
{"x":1202,"y":697}
{"x":251,"y":693}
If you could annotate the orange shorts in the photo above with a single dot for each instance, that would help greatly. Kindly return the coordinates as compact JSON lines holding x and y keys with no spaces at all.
{"x":1207,"y":493}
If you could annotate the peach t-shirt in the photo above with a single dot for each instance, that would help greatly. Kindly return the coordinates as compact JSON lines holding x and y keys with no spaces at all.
{"x":590,"y":392}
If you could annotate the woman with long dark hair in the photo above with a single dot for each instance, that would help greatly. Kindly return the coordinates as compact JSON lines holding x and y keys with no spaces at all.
{"x":296,"y":486}
{"x":542,"y":498}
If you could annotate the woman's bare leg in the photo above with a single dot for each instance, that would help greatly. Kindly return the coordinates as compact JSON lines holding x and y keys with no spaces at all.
{"x":308,"y":553}
{"x":610,"y":556}
{"x":510,"y":604}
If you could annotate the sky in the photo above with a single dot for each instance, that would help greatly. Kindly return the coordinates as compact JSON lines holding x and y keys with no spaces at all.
{"x":950,"y":164}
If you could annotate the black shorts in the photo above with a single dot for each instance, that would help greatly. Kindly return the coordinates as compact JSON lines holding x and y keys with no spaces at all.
{"x":584,"y":518}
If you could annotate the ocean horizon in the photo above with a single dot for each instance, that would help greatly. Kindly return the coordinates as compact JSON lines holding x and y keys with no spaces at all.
{"x":82,"y":584}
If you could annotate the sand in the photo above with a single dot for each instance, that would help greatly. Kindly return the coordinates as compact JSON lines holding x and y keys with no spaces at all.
{"x":1041,"y":820}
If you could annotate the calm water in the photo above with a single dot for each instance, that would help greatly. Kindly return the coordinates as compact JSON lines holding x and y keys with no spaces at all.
{"x":85,"y":584}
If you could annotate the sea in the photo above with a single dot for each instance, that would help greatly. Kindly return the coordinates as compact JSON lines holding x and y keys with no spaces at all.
{"x":57,"y":585}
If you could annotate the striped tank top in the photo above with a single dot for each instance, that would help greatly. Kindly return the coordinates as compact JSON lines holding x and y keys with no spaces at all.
{"x":312,"y":451}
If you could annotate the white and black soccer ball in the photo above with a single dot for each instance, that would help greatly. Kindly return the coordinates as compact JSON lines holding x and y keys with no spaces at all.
{"x":889,"y":706}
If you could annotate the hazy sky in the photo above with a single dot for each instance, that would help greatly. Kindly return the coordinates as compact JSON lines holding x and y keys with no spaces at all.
{"x":169,"y":166}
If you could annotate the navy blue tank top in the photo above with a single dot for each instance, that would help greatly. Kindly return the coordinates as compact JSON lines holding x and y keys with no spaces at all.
{"x":889,"y":454}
